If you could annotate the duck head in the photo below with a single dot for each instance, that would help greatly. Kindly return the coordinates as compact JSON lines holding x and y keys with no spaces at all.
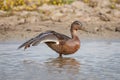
{"x":77,"y":25}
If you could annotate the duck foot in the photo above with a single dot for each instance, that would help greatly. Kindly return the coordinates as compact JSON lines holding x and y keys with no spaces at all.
{"x":60,"y":56}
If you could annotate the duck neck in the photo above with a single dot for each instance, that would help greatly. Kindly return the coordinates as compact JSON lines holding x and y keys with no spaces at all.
{"x":74,"y":34}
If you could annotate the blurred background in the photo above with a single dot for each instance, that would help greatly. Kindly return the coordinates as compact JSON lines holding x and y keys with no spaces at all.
{"x":27,"y":18}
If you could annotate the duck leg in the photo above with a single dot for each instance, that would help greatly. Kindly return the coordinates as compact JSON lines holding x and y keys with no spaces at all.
{"x":60,"y":55}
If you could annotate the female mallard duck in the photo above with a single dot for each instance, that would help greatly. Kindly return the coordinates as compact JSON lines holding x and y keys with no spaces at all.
{"x":60,"y":43}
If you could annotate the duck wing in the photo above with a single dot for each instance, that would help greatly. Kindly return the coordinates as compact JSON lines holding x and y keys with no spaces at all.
{"x":49,"y":36}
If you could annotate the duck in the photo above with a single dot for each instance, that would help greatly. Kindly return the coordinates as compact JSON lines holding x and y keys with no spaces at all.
{"x":60,"y":43}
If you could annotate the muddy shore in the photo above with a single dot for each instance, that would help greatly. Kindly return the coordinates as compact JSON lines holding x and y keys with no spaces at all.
{"x":101,"y":23}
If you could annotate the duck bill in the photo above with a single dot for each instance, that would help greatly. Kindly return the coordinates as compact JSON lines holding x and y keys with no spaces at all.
{"x":84,"y":29}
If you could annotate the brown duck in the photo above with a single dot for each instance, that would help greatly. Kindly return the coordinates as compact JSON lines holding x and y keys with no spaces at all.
{"x":60,"y":43}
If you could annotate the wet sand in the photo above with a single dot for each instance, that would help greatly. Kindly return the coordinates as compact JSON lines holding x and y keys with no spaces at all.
{"x":101,"y":21}
{"x":28,"y":30}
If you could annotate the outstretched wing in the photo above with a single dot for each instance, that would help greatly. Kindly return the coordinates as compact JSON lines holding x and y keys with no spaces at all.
{"x":41,"y":38}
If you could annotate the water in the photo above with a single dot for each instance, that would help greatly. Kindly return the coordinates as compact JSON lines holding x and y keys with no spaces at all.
{"x":96,"y":60}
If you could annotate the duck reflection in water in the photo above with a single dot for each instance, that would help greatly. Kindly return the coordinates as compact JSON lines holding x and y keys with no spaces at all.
{"x":53,"y":69}
{"x":67,"y":65}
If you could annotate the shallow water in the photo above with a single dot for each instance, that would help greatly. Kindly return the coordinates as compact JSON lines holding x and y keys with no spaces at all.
{"x":96,"y":60}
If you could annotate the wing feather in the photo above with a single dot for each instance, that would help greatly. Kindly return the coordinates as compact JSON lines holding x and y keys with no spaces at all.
{"x":46,"y":38}
{"x":41,"y":38}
